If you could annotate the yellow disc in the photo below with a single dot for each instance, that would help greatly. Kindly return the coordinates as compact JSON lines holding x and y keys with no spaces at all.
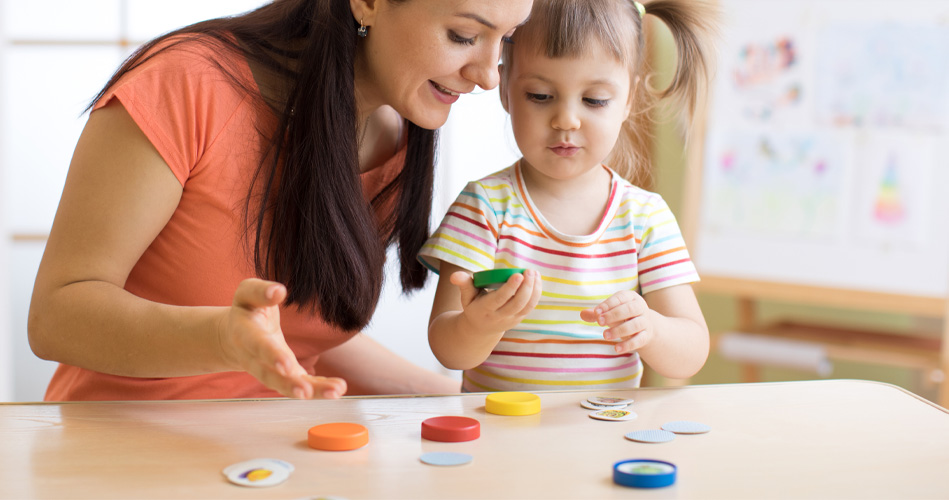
{"x":512,"y":403}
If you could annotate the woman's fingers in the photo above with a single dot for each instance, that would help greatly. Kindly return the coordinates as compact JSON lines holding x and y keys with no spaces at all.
{"x":326,"y":387}
{"x":256,"y":293}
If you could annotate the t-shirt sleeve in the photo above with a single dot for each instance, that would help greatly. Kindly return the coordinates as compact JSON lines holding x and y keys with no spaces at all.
{"x":467,"y":237}
{"x":663,"y":257}
{"x":180,"y":100}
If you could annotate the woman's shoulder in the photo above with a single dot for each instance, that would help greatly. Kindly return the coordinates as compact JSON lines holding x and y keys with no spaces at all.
{"x":195,"y":53}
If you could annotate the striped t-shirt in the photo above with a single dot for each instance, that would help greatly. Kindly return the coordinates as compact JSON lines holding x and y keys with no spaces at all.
{"x":638,"y":246}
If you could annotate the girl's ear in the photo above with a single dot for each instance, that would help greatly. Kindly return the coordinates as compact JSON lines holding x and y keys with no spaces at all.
{"x":502,"y":88}
{"x":364,"y":11}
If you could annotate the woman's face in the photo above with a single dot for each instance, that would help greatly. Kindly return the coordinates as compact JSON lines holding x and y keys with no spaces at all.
{"x":420,"y":55}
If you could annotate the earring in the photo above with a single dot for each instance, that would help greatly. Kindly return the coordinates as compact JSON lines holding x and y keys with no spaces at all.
{"x":362,"y":30}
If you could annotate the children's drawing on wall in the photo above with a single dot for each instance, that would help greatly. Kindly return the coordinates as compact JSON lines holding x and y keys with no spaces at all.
{"x":783,"y":185}
{"x":883,"y":75}
{"x":766,"y":74}
{"x":894,"y":175}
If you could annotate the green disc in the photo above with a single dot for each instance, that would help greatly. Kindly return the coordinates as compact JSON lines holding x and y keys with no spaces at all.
{"x":494,"y":278}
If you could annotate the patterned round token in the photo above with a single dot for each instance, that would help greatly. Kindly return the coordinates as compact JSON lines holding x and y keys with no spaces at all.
{"x":685,"y":427}
{"x":445,"y":458}
{"x":593,"y":406}
{"x":609,"y":401}
{"x":651,"y":436}
{"x":644,"y":473}
{"x":260,"y":472}
{"x":613,"y":414}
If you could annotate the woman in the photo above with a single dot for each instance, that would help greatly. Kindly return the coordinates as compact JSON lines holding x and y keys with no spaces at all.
{"x":293,"y":143}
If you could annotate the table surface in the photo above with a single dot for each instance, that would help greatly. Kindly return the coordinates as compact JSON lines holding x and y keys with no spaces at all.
{"x":816,"y":439}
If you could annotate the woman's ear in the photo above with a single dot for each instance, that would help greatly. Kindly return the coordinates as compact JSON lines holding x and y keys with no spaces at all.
{"x":364,"y":11}
{"x":502,"y":88}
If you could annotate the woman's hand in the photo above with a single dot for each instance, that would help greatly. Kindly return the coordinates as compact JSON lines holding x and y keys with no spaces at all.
{"x":251,"y":340}
{"x":626,"y":316}
{"x":501,"y":309}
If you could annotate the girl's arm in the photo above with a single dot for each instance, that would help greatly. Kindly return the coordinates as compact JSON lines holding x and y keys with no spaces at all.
{"x":681,"y":344}
{"x":666,"y":327}
{"x":119,"y":194}
{"x":467,"y":323}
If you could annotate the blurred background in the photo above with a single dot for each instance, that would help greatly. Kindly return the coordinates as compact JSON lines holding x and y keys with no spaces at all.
{"x":810,"y":188}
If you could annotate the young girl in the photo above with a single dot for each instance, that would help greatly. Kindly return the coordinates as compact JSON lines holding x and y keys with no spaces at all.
{"x":608,"y":275}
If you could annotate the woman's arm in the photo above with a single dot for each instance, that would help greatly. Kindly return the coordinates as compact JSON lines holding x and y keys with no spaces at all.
{"x":370,"y":368}
{"x":119,"y":194}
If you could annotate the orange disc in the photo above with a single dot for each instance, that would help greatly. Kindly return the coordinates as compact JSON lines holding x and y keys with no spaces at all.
{"x":341,"y":436}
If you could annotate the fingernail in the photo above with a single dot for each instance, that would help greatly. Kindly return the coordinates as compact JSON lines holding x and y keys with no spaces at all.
{"x":299,"y":393}
{"x":601,"y":320}
{"x":330,"y":394}
{"x":606,"y":334}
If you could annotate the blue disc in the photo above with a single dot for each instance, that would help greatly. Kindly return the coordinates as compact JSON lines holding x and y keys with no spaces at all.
{"x":445,"y":458}
{"x":644,"y":473}
{"x":651,"y":436}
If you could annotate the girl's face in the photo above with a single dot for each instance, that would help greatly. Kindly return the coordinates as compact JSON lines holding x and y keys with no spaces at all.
{"x":566,"y":113}
{"x":420,"y":55}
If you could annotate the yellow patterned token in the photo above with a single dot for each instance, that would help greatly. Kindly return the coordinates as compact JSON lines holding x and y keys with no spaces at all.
{"x":512,"y":403}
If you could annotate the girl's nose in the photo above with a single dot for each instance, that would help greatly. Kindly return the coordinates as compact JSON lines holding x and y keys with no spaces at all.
{"x":565,"y":117}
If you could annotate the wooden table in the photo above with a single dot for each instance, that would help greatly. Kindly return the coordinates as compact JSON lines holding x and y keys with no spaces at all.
{"x":818,"y":439}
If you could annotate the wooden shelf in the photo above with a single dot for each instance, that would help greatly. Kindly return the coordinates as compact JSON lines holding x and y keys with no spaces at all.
{"x":913,"y":350}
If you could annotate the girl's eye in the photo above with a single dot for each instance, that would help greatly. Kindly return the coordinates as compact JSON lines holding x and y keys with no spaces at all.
{"x":455,"y":37}
{"x":538,"y":97}
{"x":596,"y":103}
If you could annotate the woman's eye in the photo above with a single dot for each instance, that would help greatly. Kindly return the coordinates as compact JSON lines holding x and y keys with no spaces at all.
{"x":455,"y":37}
{"x":596,"y":103}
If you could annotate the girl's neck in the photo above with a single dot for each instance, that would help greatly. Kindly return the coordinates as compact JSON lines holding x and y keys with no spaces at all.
{"x":573,"y":206}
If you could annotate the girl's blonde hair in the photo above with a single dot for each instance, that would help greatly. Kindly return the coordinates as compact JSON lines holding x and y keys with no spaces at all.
{"x":569,"y":28}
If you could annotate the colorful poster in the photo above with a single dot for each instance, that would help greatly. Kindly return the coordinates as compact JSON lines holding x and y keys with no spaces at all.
{"x":893,"y":176}
{"x":776,"y":185}
{"x":883,"y":75}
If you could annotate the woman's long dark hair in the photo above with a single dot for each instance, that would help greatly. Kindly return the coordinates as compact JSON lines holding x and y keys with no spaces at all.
{"x":314,"y":230}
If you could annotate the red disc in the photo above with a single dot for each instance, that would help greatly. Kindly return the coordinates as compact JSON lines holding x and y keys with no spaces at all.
{"x":451,"y":429}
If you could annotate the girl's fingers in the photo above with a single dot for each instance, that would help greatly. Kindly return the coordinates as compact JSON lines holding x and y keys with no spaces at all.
{"x":620,"y":307}
{"x":625,"y":329}
{"x":521,"y":297}
{"x":465,"y":285}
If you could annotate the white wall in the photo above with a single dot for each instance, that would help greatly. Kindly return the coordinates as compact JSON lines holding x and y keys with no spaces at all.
{"x":50,"y":66}
{"x":43,"y":89}
{"x":6,"y":348}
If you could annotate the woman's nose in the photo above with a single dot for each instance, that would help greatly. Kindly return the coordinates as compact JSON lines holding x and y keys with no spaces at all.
{"x":483,"y":70}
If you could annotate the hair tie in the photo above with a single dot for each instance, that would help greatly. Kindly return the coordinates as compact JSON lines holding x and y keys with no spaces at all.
{"x":641,"y":8}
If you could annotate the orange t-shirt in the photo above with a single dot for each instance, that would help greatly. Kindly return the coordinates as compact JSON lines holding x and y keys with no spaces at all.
{"x":206,"y":131}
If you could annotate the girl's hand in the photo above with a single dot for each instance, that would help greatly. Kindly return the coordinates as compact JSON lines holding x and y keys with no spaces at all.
{"x":252,"y":341}
{"x":625,"y":314}
{"x":501,"y":309}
